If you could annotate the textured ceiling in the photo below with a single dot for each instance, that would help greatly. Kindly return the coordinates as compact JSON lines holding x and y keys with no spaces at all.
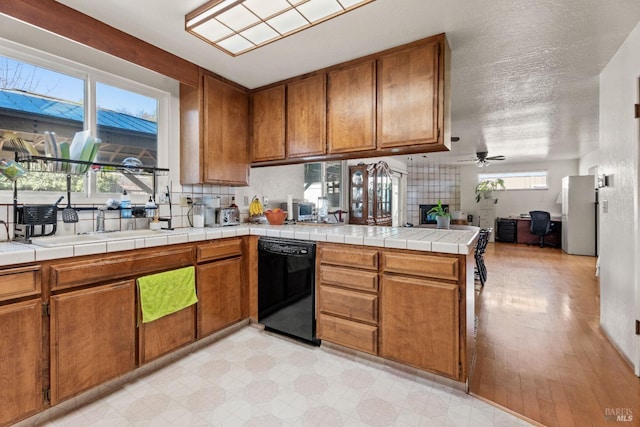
{"x":524,"y":74}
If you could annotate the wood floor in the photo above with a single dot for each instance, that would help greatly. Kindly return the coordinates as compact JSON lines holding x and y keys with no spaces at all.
{"x":540,"y":351}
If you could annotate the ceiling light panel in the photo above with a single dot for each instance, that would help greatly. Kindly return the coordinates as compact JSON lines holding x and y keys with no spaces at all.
{"x":288,"y":22}
{"x":213,"y":30}
{"x":259,"y":34}
{"x":235,"y":44}
{"x":238,"y":26}
{"x":267,"y":9}
{"x":315,"y":10}
{"x":208,"y":10}
{"x":238,"y":18}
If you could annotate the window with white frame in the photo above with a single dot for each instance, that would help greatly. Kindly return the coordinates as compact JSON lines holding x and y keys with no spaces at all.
{"x":42,"y":98}
{"x":528,"y":180}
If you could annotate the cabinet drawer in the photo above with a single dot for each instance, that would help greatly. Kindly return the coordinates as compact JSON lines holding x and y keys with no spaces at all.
{"x":119,"y":266}
{"x":348,"y":333}
{"x":437,"y":267}
{"x":219,"y":249}
{"x":354,"y":305}
{"x":19,"y":282}
{"x":349,"y":278}
{"x":349,"y":256}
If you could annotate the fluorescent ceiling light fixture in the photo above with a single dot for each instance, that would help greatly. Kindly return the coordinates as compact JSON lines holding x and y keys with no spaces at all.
{"x":239,"y":26}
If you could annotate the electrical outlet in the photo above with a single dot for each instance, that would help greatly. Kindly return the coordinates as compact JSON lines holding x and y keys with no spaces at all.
{"x":185,"y":201}
{"x":161,"y":197}
{"x":246,"y":201}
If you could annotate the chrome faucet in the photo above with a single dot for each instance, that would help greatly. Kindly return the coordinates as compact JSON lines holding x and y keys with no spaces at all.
{"x":167,"y":219}
{"x":100,"y":220}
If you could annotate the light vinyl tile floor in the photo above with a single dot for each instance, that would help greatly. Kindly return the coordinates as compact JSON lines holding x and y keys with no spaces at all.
{"x":255,"y":378}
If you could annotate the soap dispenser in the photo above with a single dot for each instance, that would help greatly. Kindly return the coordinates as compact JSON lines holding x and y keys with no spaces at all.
{"x":125,"y":205}
{"x":150,"y":208}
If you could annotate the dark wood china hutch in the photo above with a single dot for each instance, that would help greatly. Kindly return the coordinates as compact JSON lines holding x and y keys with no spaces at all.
{"x":370,"y":194}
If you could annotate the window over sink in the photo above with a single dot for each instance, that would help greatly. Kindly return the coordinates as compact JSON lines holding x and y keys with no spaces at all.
{"x":324,"y":179}
{"x":41,"y":93}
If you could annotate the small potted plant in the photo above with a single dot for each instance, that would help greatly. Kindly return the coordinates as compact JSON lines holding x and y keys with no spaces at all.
{"x":443,"y":218}
{"x":486,"y":187}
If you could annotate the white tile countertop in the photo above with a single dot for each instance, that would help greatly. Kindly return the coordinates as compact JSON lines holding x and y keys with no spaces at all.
{"x":457,"y":241}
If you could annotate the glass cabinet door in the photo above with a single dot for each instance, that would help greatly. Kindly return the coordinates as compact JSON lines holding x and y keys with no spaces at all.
{"x":382,"y":212}
{"x":370,"y":194}
{"x":357,"y":181}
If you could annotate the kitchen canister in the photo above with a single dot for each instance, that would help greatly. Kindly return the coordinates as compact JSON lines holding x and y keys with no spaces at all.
{"x":199,"y":211}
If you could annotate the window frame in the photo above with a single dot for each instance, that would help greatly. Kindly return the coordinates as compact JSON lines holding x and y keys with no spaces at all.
{"x":90,"y":75}
{"x":515,"y":174}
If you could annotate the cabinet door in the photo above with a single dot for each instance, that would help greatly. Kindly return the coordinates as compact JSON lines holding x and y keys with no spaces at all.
{"x":358,"y":179}
{"x":351,"y":108}
{"x":20,"y":356}
{"x":225,"y":134}
{"x":220,"y":295}
{"x":307,"y":117}
{"x":93,"y":337}
{"x":382,"y":194}
{"x":408,"y":97}
{"x":419,"y":323}
{"x":267,"y":138}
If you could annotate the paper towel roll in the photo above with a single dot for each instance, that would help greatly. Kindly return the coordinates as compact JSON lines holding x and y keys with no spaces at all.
{"x":289,"y":206}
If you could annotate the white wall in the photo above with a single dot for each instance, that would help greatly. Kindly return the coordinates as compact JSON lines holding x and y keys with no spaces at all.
{"x":619,"y":295}
{"x":516,"y":202}
{"x":273,"y":182}
{"x":590,"y":162}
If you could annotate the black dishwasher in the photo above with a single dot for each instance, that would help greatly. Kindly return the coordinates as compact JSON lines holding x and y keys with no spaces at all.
{"x":286,"y":287}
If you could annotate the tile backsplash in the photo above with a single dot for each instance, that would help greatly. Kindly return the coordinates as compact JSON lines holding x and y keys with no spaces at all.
{"x":429,"y":183}
{"x":87,"y":218}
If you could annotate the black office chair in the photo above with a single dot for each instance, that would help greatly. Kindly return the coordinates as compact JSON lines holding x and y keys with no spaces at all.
{"x":540,"y":226}
{"x":481,"y":247}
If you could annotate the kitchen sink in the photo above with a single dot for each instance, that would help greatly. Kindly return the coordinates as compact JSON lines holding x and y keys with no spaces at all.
{"x":55,"y":241}
{"x":97,"y":237}
{"x":124,"y":234}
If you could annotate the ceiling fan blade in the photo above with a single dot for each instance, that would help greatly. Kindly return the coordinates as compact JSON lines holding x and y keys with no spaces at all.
{"x":496,"y":158}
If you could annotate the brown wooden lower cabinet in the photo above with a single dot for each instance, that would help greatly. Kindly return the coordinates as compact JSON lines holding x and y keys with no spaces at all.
{"x":347,"y":296}
{"x":20,"y":360}
{"x":356,"y":335}
{"x":93,"y":337}
{"x":220,"y":295}
{"x":166,"y":334}
{"x":346,"y":303}
{"x":419,"y":323}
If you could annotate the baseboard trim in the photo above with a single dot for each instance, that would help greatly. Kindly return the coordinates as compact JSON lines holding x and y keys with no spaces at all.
{"x":621,"y":353}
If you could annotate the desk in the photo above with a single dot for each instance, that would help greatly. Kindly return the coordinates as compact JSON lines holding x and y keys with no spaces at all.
{"x":525,"y":236}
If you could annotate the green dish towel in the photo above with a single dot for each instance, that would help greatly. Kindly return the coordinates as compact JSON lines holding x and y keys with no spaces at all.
{"x":165,"y":293}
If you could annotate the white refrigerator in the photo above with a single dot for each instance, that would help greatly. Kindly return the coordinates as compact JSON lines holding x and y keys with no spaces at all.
{"x":579,"y":215}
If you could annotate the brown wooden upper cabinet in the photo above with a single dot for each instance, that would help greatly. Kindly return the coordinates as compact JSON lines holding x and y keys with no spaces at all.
{"x":409,"y":104}
{"x":268,"y":124}
{"x":351,"y":108}
{"x":214,"y":122}
{"x":307,"y":117}
{"x":392,"y":102}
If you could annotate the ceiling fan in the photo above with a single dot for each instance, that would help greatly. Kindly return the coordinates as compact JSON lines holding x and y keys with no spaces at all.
{"x":483,"y":159}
